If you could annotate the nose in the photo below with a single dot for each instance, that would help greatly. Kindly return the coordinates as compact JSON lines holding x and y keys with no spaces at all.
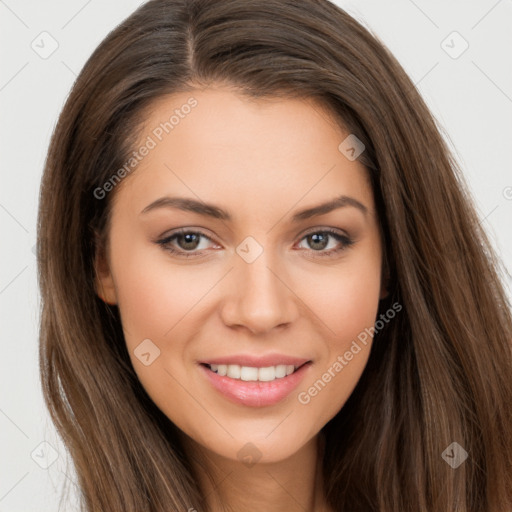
{"x":259,"y":297}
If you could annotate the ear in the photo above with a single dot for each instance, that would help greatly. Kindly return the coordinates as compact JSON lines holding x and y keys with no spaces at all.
{"x":104,"y":283}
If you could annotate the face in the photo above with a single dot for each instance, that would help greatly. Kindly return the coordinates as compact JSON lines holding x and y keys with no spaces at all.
{"x":241,"y":300}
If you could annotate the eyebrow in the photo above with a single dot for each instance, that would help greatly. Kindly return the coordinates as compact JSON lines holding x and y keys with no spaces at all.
{"x":211,"y":210}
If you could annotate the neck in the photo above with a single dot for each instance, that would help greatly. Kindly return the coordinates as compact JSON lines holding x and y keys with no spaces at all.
{"x":293,"y":484}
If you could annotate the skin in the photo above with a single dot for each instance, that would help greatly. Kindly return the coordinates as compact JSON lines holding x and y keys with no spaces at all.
{"x":262,"y":161}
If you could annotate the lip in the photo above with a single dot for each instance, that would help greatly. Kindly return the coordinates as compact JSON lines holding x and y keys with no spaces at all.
{"x":256,"y":393}
{"x":257,"y":361}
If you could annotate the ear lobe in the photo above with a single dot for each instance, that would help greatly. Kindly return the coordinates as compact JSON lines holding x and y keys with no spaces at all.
{"x":104,"y":282}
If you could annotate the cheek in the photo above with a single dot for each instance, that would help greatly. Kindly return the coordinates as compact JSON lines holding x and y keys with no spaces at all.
{"x":158,"y":302}
{"x":155,"y":296}
{"x":345,"y":298}
{"x":347,"y":305}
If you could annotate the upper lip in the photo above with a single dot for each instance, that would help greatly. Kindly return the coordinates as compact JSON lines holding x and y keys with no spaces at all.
{"x":257,"y":361}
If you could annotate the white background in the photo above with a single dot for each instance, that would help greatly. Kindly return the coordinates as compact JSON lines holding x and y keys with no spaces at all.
{"x":471,"y":97}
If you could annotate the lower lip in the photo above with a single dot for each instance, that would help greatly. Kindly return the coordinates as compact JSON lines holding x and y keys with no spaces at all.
{"x":256,"y":393}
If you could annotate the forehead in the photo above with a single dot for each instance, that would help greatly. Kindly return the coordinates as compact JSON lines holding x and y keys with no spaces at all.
{"x":218,"y":143}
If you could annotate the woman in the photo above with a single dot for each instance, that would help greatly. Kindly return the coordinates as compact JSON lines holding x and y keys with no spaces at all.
{"x":264,"y":286}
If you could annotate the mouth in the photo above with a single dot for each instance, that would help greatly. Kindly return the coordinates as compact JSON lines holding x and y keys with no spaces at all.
{"x":255,"y":386}
{"x":254,"y":373}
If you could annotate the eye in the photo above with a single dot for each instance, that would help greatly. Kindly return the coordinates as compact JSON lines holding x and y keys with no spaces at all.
{"x":327,"y":238}
{"x":188,"y":242}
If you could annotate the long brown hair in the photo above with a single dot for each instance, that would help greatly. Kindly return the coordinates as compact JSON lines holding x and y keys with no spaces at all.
{"x":440,"y":372}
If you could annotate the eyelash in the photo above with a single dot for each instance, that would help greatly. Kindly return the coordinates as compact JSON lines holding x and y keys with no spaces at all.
{"x":345,"y":240}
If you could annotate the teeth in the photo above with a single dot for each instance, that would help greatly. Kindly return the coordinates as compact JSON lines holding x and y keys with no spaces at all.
{"x":234,"y":371}
{"x":280,"y":371}
{"x":246,"y":372}
{"x":250,"y":373}
{"x":267,"y":374}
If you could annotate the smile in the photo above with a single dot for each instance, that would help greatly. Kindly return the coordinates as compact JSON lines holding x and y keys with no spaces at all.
{"x":252,"y":373}
{"x":255,"y":386}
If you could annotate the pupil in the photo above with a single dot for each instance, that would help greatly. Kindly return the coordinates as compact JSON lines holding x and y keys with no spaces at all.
{"x":190,"y":238}
{"x":315,"y":239}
